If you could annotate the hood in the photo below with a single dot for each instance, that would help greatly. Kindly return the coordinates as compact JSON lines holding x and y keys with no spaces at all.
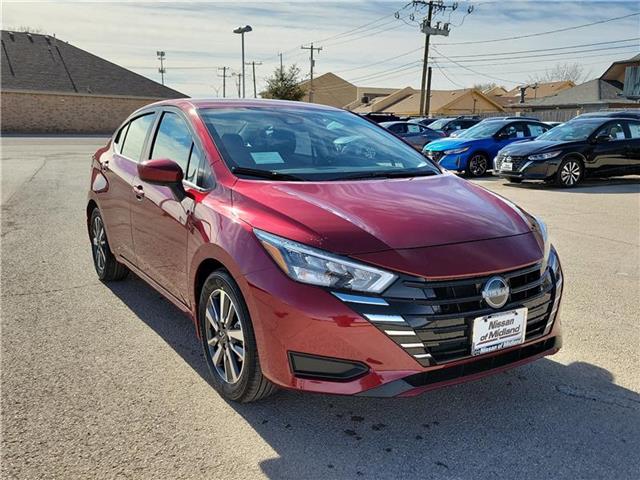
{"x":374,"y":215}
{"x":448,"y":144}
{"x":534,"y":146}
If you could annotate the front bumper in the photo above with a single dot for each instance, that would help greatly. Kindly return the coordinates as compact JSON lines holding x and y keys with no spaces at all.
{"x":527,"y":169}
{"x":454,"y":162}
{"x":400,"y":343}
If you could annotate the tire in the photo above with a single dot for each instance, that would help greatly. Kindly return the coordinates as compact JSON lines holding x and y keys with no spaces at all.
{"x":570,"y":173}
{"x":229,"y":346}
{"x":514,"y":180}
{"x":477,"y":165}
{"x":105,"y":263}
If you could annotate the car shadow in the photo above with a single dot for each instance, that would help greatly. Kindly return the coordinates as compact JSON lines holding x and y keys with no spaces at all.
{"x":613,"y":185}
{"x":542,"y":420}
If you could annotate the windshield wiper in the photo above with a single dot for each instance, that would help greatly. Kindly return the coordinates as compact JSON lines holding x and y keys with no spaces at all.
{"x":269,"y":174}
{"x":389,"y":174}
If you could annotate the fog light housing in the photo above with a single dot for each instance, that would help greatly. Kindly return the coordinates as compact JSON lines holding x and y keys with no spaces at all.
{"x":315,"y":367}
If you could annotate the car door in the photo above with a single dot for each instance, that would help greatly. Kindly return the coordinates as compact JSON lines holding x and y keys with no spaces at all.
{"x":120,"y":170}
{"x":633,"y":146}
{"x":512,"y":132}
{"x":159,"y":220}
{"x":609,"y":154}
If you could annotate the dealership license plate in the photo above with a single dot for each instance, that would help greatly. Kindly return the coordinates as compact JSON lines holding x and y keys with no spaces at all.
{"x":507,"y":166}
{"x":498,"y":331}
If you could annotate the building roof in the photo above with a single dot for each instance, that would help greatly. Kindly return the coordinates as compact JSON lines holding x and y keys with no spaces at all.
{"x":541,"y":89}
{"x":42,"y":63}
{"x":496,"y":91}
{"x":594,"y":91}
{"x":330,"y":89}
{"x":407,"y":101}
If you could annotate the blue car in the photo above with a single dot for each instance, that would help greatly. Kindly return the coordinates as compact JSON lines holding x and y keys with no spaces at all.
{"x":473,"y":151}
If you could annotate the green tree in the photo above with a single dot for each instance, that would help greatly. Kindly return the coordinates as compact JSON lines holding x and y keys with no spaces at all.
{"x":284,"y":84}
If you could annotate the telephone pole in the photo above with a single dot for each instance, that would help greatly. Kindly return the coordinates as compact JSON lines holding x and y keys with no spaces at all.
{"x":434,"y":7}
{"x":161,"y":55}
{"x":281,"y":68}
{"x":239,"y":82}
{"x":253,"y":66}
{"x":224,"y":80}
{"x":311,"y":49}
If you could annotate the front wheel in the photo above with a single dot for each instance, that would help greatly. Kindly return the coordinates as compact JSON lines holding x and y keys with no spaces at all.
{"x":478,"y":165}
{"x":229,"y":342}
{"x":569,"y":173}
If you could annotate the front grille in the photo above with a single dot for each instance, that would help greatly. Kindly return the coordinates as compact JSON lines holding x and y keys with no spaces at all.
{"x":518,"y":162}
{"x":432,"y":320}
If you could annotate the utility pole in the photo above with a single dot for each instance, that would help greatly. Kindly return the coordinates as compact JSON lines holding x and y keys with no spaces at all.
{"x":434,"y":7}
{"x":281,"y":68}
{"x":312,"y":61}
{"x":239,"y":82}
{"x":160,"y":54}
{"x":224,"y":80}
{"x":427,"y":101}
{"x":253,"y":66}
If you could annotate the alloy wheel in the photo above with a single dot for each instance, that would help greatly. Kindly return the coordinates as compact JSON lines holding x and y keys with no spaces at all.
{"x":225,"y":338}
{"x":570,"y":173}
{"x":99,"y":243}
{"x":477,"y":165}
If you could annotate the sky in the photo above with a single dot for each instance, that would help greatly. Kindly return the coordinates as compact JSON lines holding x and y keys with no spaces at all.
{"x":362,"y":42}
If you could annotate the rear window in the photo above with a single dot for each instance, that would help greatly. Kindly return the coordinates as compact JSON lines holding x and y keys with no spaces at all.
{"x":136,"y":135}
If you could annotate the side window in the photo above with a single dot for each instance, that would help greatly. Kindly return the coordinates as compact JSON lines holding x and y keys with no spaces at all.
{"x":398,"y":128}
{"x":468,"y":123}
{"x":536,"y":129}
{"x":634,"y":129}
{"x":191,"y":173}
{"x":413,"y":128}
{"x":515,"y":130}
{"x":453,"y":126}
{"x":136,"y":135}
{"x":118,"y":141}
{"x":205,"y":177}
{"x":614,"y":131}
{"x":173,"y":140}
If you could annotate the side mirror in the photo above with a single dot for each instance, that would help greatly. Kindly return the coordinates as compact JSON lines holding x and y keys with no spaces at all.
{"x":165,"y":172}
{"x":502,"y":136}
{"x":602,"y":138}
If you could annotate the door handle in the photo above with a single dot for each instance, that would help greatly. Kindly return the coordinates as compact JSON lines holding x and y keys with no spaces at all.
{"x":138,"y":190}
{"x":104,"y":166}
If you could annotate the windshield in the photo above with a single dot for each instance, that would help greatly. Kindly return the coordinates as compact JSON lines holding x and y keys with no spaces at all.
{"x":482,"y":130}
{"x":575,"y":131}
{"x":439,"y":124}
{"x":289,"y":143}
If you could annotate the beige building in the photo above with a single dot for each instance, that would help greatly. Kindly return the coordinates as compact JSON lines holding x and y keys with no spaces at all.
{"x":50,"y":86}
{"x":330,"y":89}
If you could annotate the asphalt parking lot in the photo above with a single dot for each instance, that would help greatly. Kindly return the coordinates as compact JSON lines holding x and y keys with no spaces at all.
{"x":108,"y":381}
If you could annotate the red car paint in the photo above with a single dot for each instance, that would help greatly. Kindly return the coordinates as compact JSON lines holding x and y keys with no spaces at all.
{"x":439,"y":227}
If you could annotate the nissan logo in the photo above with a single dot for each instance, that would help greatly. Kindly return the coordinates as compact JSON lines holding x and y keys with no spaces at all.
{"x":496,"y":292}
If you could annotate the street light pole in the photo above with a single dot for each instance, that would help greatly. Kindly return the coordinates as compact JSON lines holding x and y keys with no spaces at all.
{"x":242,"y":31}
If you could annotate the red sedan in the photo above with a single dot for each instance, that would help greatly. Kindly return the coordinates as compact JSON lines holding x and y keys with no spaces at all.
{"x":316,"y":251}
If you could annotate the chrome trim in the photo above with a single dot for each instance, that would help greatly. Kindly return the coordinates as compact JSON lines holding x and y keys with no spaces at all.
{"x":525,"y":165}
{"x":400,"y":333}
{"x":412,"y":345}
{"x":423,"y":355}
{"x":347,"y":297}
{"x":384,"y":318}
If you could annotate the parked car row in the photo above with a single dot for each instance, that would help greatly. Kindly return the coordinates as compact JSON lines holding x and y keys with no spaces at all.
{"x":521,"y":148}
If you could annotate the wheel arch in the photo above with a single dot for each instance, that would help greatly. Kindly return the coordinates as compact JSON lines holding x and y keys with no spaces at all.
{"x":91,"y":206}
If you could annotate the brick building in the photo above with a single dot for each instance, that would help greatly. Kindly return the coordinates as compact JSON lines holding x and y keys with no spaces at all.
{"x":50,"y":86}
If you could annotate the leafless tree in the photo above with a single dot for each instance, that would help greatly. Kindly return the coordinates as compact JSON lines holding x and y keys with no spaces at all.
{"x":25,"y":29}
{"x":562,"y":71}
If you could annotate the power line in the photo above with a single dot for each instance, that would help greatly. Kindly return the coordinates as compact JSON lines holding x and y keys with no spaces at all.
{"x":549,"y":32}
{"x":471,"y":70}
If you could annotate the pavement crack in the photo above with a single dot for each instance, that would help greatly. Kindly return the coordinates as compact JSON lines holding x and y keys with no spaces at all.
{"x":53,"y":290}
{"x":596,"y":396}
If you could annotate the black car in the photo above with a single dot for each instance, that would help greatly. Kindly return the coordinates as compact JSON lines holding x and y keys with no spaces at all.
{"x":414,"y":133}
{"x":634,"y":114}
{"x":591,"y":146}
{"x":451,"y":124}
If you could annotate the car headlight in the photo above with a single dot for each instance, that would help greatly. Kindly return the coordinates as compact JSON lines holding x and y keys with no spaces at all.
{"x":544,"y":156}
{"x":317,"y":267}
{"x":456,"y":151}
{"x":541,"y":227}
